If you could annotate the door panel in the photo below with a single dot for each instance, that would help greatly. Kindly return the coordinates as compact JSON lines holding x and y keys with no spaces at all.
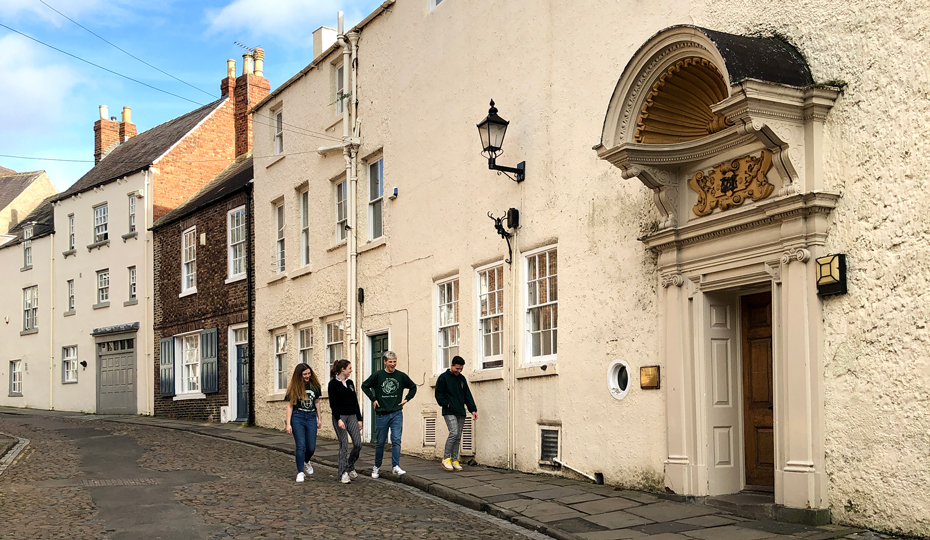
{"x":720,"y":342}
{"x":379,"y":346}
{"x":758,"y":402}
{"x":242,"y":383}
{"x":116,"y":391}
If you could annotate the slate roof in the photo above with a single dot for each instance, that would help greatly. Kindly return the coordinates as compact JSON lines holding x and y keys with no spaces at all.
{"x":44,"y":218}
{"x":14,"y":183}
{"x":141,"y":151}
{"x":230,"y":180}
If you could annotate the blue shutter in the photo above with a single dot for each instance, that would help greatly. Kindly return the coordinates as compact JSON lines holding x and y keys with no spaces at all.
{"x":166,"y":374}
{"x":209,"y":372}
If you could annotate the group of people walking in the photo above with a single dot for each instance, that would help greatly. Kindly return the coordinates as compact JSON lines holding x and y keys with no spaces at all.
{"x":385,"y":388}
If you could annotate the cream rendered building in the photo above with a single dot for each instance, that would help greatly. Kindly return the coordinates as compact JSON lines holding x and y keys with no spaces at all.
{"x":724,"y":166}
{"x":20,"y":194}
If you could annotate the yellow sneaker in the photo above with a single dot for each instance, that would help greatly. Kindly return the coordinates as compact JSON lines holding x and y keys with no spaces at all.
{"x":456,"y":466}
{"x":447,"y":464}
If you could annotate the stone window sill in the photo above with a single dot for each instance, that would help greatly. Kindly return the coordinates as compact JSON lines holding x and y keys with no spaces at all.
{"x":25,"y":268}
{"x":374,"y":244}
{"x":68,"y":253}
{"x":278,"y":159}
{"x":68,"y":382}
{"x":11,"y":394}
{"x":68,"y":313}
{"x":234,"y":279}
{"x":90,"y":247}
{"x":188,"y":292}
{"x":193,"y":395}
{"x":274,"y":397}
{"x":127,"y":236}
{"x":29,"y":332}
{"x":495,"y":374}
{"x":276,"y":278}
{"x":544,"y":370}
{"x":102,"y":305}
{"x":300,"y":272}
{"x":131,"y":302}
{"x":341,"y":244}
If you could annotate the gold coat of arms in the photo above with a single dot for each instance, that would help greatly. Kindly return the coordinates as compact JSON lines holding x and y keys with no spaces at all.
{"x":730,"y":183}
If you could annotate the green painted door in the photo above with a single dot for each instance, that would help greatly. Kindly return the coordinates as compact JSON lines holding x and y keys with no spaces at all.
{"x":379,"y":346}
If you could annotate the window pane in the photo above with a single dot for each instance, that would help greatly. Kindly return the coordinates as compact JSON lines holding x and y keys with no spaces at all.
{"x":376,"y":226}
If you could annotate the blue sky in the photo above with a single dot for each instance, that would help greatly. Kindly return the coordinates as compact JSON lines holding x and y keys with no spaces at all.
{"x":50,"y":100}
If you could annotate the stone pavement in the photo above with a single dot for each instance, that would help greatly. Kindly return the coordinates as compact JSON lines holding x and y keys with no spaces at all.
{"x":558,"y":507}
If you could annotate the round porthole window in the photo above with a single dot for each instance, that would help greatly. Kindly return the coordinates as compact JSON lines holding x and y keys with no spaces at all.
{"x":618,"y":379}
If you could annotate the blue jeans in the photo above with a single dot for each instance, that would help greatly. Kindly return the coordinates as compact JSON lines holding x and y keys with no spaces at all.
{"x":304,"y":427}
{"x":395,"y":422}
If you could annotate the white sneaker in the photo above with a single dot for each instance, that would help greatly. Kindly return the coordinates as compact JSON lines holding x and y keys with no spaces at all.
{"x":345,"y":478}
{"x":398,"y":471}
{"x":374,"y":472}
{"x":353,"y":475}
{"x":308,"y":469}
{"x":300,"y":477}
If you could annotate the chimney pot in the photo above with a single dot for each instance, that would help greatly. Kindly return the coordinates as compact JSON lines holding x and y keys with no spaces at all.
{"x":259,"y":55}
{"x":104,"y":112}
{"x":231,"y":68}
{"x":247,"y":64}
{"x":127,"y":114}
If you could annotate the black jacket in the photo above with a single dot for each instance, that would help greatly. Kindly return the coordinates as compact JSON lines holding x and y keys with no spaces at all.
{"x":343,"y":400}
{"x":453,"y":395}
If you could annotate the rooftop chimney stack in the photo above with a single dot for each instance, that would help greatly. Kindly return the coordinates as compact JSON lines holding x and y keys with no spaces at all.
{"x":323,"y":39}
{"x":228,"y":85}
{"x":251,"y":87}
{"x":126,"y":128}
{"x":106,"y":134}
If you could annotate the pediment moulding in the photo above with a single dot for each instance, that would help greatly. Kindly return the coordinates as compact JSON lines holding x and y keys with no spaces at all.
{"x":712,"y":122}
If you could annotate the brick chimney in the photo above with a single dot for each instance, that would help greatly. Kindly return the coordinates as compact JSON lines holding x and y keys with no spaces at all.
{"x":126,"y":128}
{"x":251,"y":87}
{"x":106,"y":134}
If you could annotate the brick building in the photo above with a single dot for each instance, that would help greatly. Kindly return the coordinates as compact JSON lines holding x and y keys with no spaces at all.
{"x":202,"y":269}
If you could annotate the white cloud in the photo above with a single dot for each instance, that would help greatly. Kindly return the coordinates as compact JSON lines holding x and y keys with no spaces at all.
{"x":286,"y":20}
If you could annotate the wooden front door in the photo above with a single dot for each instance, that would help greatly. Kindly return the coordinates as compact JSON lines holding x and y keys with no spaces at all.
{"x":379,"y":346}
{"x":758,"y":416}
{"x":242,"y":382}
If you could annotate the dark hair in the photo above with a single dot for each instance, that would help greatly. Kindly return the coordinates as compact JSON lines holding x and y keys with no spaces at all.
{"x":458,"y":361}
{"x":338,"y":366}
{"x":295,"y":388}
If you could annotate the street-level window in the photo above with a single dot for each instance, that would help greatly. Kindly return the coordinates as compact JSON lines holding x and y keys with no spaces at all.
{"x":305,"y":345}
{"x":304,"y":228}
{"x":27,"y":247}
{"x":375,"y":199}
{"x":335,"y":335}
{"x":448,"y":338}
{"x":491,"y":316}
{"x":132,"y":212}
{"x":279,"y":238}
{"x":280,"y":362}
{"x":30,"y":307}
{"x":542,"y":305}
{"x":341,"y":215}
{"x":236,"y":235}
{"x":70,"y":295}
{"x":189,"y":260}
{"x":101,"y":218}
{"x":340,"y":88}
{"x":69,"y":364}
{"x":132,"y":282}
{"x":190,"y":354}
{"x":70,"y":231}
{"x":103,"y":286}
{"x":279,"y":132}
{"x":16,"y":377}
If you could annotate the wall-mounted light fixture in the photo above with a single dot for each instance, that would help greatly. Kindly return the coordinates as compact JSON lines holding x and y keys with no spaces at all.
{"x":513,"y":221}
{"x":492,"y":130}
{"x":831,"y":275}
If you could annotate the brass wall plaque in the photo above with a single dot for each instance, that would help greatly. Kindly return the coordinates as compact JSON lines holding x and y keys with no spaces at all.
{"x":649,"y":377}
{"x":730,"y":183}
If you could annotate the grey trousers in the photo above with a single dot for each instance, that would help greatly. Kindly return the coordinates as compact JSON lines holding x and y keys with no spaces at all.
{"x":347,"y":459}
{"x":454,"y":441}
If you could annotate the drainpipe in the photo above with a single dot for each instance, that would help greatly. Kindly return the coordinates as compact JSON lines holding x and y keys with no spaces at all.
{"x":250,"y":276}
{"x":51,"y":327}
{"x":349,"y":151}
{"x":512,"y":376}
{"x":148,"y":377}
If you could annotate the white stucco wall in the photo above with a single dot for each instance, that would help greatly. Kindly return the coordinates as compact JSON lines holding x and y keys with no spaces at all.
{"x":876,"y":362}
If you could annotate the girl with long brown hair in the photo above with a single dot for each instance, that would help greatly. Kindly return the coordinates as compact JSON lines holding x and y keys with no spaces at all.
{"x":303,"y":416}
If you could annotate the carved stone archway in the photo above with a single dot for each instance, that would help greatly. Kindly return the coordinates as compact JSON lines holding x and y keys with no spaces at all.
{"x":726,"y":131}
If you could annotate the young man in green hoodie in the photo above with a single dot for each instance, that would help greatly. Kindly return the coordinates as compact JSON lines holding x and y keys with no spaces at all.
{"x":385,"y":389}
{"x":453,"y":395}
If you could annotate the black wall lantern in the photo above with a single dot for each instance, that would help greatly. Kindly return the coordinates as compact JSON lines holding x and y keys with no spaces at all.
{"x":492,"y":130}
{"x":831,"y":275}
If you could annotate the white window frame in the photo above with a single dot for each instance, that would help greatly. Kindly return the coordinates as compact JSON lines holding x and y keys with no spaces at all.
{"x":433,"y":4}
{"x":305,"y":345}
{"x":189,"y":261}
{"x":132,"y":282}
{"x":334,"y":329}
{"x":70,"y":285}
{"x":485,"y":298}
{"x":101,"y":223}
{"x":340,"y":190}
{"x":339,"y":85}
{"x":280,"y":254}
{"x":279,"y":361}
{"x":103,"y":286}
{"x":16,"y":377}
{"x":445,"y":307}
{"x":279,"y":132}
{"x":132,"y":212}
{"x":27,"y":247}
{"x":188,"y":371}
{"x":70,"y":231}
{"x":376,"y":199}
{"x":69,"y":364}
{"x":30,"y":308}
{"x":530,"y":306}
{"x":236,"y":236}
{"x":305,"y":228}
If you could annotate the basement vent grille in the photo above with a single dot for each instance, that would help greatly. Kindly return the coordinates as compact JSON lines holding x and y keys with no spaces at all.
{"x":429,"y":431}
{"x":468,"y":438}
{"x":549,"y":444}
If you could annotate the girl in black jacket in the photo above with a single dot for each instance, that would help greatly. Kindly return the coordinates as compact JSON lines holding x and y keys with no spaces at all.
{"x":347,"y":418}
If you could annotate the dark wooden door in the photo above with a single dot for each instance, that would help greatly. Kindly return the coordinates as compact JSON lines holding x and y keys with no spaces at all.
{"x":379,"y":346}
{"x":758,"y":416}
{"x":242,"y":382}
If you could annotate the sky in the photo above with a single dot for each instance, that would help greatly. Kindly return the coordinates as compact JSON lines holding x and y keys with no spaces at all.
{"x":50,"y":99}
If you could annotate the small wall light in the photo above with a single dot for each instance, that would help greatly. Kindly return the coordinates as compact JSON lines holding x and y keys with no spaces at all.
{"x":831,"y":275}
{"x":513,"y":221}
{"x":649,"y":377}
{"x":492,"y":130}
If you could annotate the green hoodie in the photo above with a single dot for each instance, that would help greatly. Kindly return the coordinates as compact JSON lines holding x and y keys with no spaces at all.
{"x":387,"y":389}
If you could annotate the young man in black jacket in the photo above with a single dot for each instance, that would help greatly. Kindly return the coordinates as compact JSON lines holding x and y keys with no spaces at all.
{"x":453,"y":395}
{"x":385,"y":389}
